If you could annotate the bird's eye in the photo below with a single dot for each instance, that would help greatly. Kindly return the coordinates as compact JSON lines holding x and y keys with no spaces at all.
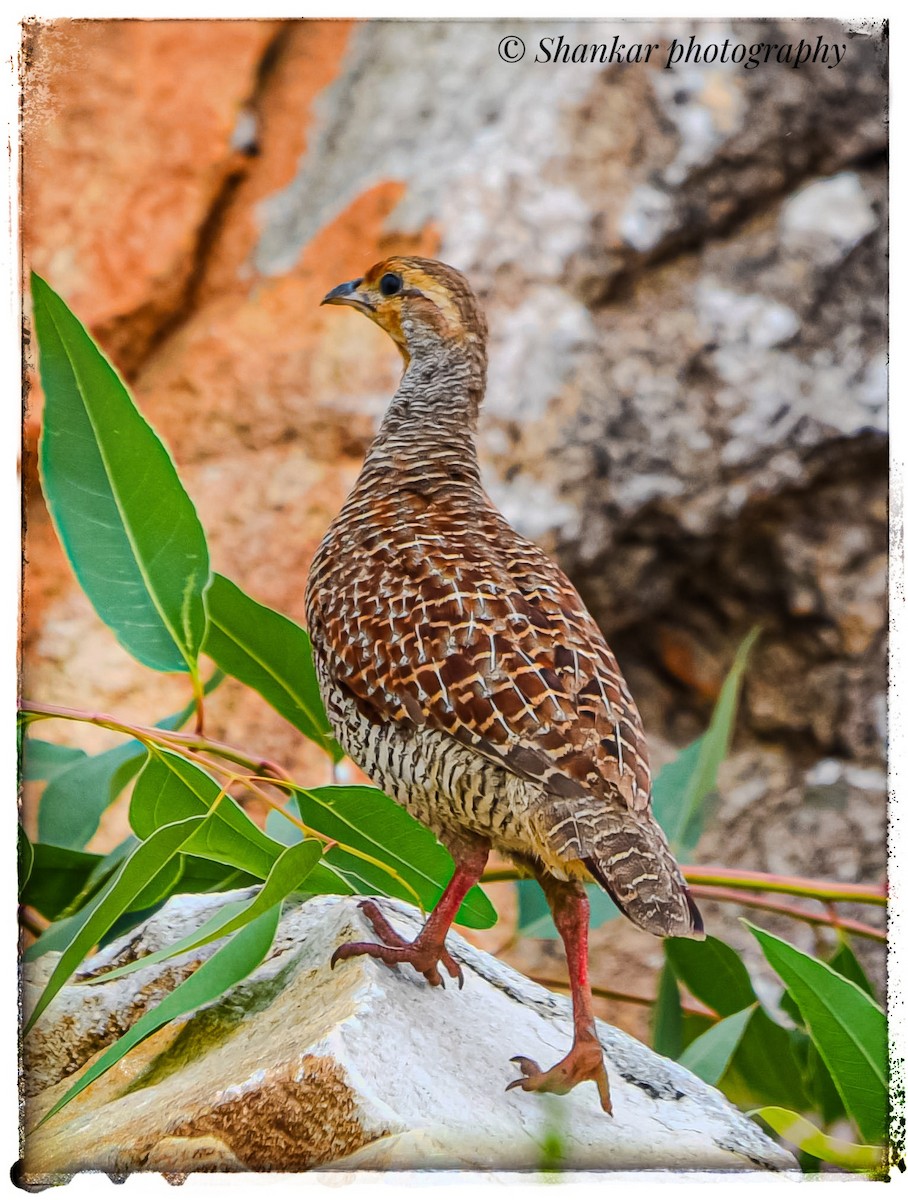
{"x":390,"y":284}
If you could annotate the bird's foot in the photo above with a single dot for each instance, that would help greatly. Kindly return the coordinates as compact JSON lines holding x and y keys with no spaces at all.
{"x":423,"y":953}
{"x":583,"y":1062}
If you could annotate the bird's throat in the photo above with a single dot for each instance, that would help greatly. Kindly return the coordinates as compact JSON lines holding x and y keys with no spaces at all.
{"x":428,"y":430}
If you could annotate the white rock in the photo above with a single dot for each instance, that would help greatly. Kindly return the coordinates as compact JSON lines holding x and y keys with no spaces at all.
{"x":828,"y":217}
{"x":363,"y":1066}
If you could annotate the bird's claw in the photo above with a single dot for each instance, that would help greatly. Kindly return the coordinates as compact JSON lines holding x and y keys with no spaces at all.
{"x":394,"y":949}
{"x":528,"y":1068}
{"x":583,"y":1062}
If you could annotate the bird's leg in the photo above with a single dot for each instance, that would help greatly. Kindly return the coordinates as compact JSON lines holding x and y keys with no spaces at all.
{"x":427,"y":950}
{"x":571,"y":914}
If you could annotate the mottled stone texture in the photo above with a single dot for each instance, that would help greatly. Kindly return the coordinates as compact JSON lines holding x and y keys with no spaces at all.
{"x":301,"y":1067}
{"x":685,"y":277}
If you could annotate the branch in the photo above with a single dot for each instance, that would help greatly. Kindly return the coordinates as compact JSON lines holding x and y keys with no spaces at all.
{"x":694,"y":1009}
{"x":791,"y":885}
{"x":166,"y":738}
{"x":758,"y":881}
{"x":831,"y":919}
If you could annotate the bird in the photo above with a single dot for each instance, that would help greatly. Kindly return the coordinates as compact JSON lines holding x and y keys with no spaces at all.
{"x":463,"y":673}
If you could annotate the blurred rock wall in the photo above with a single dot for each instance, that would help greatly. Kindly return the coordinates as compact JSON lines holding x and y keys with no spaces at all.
{"x":685,"y":278}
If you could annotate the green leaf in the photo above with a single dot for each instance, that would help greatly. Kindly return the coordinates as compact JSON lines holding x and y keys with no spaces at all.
{"x":59,"y":933}
{"x":226,"y":968}
{"x":25,"y":858}
{"x":667,"y":1017}
{"x":692,"y":1025}
{"x":170,"y":789}
{"x":825,"y":1098}
{"x":682,"y":787}
{"x":161,"y":888}
{"x":272,"y":655}
{"x":114,"y":899}
{"x":124,"y":519}
{"x":366,"y":820}
{"x":767,"y":1066}
{"x":58,"y":875}
{"x":670,"y":791}
{"x":711,"y":1053}
{"x":72,"y":804}
{"x":847,"y":1027}
{"x":535,"y":920}
{"x":45,"y":760}
{"x":798,"y":1130}
{"x":845,"y":961}
{"x":290,"y":870}
{"x":824,"y":1095}
{"x":206,"y":875}
{"x":712,"y":972}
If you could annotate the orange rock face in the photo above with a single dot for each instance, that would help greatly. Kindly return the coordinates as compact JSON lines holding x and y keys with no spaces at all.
{"x":127,"y":147}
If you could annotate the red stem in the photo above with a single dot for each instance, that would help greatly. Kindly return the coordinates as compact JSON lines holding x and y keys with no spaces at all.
{"x":789,"y":910}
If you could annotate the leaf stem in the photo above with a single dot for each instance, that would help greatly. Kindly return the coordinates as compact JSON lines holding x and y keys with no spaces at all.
{"x":833,"y":920}
{"x":198,"y":695}
{"x":31,"y":920}
{"x":163,"y":737}
{"x":791,"y":885}
{"x":758,"y":881}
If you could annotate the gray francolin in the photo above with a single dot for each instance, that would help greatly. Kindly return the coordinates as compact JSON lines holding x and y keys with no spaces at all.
{"x":462,"y":672}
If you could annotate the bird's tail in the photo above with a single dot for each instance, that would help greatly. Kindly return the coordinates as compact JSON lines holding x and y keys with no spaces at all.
{"x":628,"y":855}
{"x":639,"y":872}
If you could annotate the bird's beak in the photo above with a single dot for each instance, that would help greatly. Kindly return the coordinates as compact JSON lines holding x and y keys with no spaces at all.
{"x":346,"y":293}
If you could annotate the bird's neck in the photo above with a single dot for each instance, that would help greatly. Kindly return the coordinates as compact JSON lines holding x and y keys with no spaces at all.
{"x":429,"y":430}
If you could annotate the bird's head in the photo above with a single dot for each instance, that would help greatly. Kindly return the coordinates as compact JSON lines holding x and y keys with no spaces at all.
{"x":424,"y":305}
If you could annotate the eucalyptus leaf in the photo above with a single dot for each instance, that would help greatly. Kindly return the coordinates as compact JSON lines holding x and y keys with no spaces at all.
{"x":402,"y":856}
{"x":124,"y":519}
{"x":681,"y":789}
{"x":767,"y":1067}
{"x":170,"y":788}
{"x":535,"y":920}
{"x":846,"y":962}
{"x":74,"y":801}
{"x":713,"y":972}
{"x":45,"y":760}
{"x":803,"y":1134}
{"x":59,"y":933}
{"x":711,"y":1053}
{"x":57,"y":876}
{"x":286,"y":876}
{"x":847,"y":1027}
{"x":227,"y":966}
{"x":667,"y":1017}
{"x":272,"y":655}
{"x":116,"y":898}
{"x":25,"y":858}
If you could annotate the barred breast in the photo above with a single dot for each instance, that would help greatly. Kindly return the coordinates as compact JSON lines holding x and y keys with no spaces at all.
{"x":440,"y":782}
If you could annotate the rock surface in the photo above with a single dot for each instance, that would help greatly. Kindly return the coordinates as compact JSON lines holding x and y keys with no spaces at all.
{"x":361,"y":1067}
{"x":685,"y":278}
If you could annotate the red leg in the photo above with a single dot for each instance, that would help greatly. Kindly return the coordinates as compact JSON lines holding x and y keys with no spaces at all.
{"x":427,"y":950}
{"x":571,"y":914}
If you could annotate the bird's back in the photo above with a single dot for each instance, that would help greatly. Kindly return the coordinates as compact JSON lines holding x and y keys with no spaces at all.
{"x":462,"y":671}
